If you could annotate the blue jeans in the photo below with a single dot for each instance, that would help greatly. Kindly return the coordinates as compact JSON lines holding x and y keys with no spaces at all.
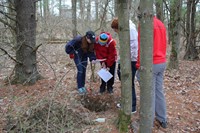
{"x":81,"y":65}
{"x":134,"y":69}
{"x":159,"y":103}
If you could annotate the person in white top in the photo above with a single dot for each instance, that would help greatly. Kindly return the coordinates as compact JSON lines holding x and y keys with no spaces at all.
{"x":134,"y":55}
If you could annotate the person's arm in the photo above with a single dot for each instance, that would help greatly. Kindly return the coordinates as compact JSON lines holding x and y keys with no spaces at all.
{"x":70,"y":47}
{"x":112,"y":54}
{"x":91,"y":56}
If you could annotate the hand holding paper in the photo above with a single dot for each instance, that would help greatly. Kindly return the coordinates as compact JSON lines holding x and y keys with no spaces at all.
{"x":104,"y":74}
{"x":97,"y":60}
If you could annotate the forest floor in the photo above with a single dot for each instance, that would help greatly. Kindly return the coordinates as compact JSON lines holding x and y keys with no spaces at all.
{"x":54,"y":105}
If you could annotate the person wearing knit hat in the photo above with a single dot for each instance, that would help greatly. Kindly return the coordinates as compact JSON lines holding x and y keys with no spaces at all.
{"x":134,"y":55}
{"x":105,"y":48}
{"x":82,"y":47}
{"x":103,"y":38}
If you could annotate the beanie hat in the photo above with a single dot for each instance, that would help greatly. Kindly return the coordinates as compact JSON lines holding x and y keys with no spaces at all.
{"x":103,"y":38}
{"x":91,"y":35}
{"x":114,"y":24}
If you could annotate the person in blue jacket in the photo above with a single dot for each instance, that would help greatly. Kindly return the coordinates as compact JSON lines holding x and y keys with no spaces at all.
{"x":82,"y":47}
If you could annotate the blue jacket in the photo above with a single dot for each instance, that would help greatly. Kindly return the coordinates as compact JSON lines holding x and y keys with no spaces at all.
{"x":74,"y":47}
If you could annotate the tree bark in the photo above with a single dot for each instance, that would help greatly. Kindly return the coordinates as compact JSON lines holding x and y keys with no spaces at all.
{"x":74,"y":20}
{"x":26,"y":66}
{"x":88,"y":11}
{"x":125,"y":61}
{"x":146,"y":66}
{"x":191,"y":51}
{"x":60,"y":7}
{"x":46,"y":8}
{"x":115,"y":8}
{"x":97,"y":12}
{"x":174,"y":32}
{"x":159,"y":9}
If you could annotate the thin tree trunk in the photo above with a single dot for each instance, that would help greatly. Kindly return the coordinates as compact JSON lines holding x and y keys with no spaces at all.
{"x":41,"y":11}
{"x":82,"y":7}
{"x":97,"y":11}
{"x":159,"y":9}
{"x":146,"y":81}
{"x":115,"y":7}
{"x":60,"y":7}
{"x":88,"y":11}
{"x":74,"y":20}
{"x":174,"y":30}
{"x":191,"y":51}
{"x":46,"y":8}
{"x":125,"y":59}
{"x":12,"y":23}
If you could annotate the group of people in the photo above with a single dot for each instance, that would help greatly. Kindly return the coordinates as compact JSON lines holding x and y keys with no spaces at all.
{"x":103,"y":47}
{"x":89,"y":46}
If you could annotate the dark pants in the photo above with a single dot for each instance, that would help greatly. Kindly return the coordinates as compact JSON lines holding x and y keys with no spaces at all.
{"x":110,"y":82}
{"x":81,"y":65}
{"x":134,"y":69}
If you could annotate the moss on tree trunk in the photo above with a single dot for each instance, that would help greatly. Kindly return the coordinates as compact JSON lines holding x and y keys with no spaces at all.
{"x":124,"y":122}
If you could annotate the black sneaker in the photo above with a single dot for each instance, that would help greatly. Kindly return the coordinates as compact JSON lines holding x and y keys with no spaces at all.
{"x":133,"y":110}
{"x":163,"y":124}
{"x":110,"y":91}
{"x":102,"y":90}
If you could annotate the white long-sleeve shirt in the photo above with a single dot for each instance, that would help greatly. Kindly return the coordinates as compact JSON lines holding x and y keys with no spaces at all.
{"x":133,"y":41}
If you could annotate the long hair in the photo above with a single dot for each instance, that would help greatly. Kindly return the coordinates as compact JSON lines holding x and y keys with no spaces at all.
{"x":86,"y":47}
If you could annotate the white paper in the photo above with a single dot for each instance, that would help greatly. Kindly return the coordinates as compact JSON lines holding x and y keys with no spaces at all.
{"x":104,"y":74}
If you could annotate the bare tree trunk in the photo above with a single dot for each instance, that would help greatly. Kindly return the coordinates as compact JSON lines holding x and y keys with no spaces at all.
{"x":82,"y":7}
{"x":146,"y":80}
{"x":12,"y":22}
{"x":74,"y":20}
{"x":174,"y":30}
{"x":51,"y":7}
{"x":159,"y":9}
{"x":41,"y":11}
{"x":46,"y":8}
{"x":88,"y":11}
{"x":191,"y":51}
{"x":60,"y":7}
{"x":103,"y":25}
{"x":97,"y":11}
{"x":26,"y":65}
{"x":115,"y":7}
{"x":125,"y":59}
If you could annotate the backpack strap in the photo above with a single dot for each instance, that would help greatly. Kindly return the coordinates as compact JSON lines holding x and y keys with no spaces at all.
{"x":109,"y":42}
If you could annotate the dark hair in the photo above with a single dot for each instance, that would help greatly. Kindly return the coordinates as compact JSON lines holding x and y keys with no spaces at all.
{"x":114,"y":24}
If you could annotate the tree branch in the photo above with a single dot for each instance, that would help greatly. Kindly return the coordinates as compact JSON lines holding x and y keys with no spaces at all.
{"x":10,"y":56}
{"x":6,"y":23}
{"x":5,"y":14}
{"x":166,"y":5}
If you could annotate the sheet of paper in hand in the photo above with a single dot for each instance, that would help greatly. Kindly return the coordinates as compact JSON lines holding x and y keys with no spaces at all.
{"x":104,"y":74}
